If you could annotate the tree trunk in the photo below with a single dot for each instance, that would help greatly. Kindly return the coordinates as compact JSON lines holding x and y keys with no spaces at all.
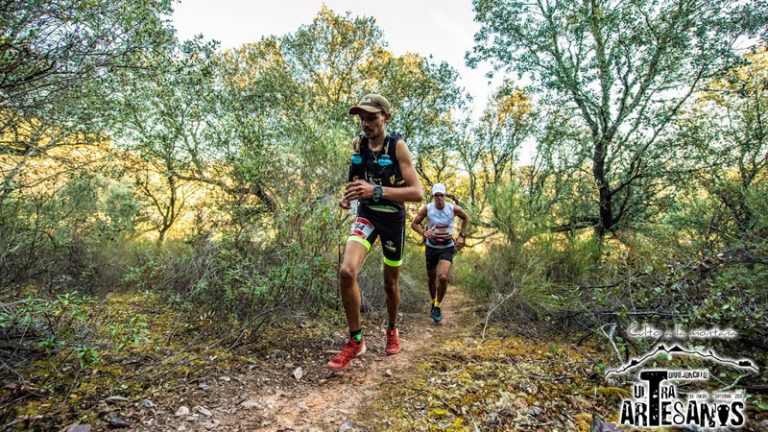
{"x":605,"y":212}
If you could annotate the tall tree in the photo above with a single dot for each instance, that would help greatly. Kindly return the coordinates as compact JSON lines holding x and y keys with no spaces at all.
{"x":303,"y":84}
{"x":627,"y":68}
{"x":57,"y":60}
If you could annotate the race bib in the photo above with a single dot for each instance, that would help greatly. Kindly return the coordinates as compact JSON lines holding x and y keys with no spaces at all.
{"x":442,"y":230}
{"x":442,"y":234}
{"x":361,"y":227}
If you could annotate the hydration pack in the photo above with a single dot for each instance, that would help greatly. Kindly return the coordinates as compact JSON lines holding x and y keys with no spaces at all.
{"x":381,"y":169}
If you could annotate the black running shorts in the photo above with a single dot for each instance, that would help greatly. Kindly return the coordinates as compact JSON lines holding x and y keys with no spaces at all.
{"x":390,"y":226}
{"x":434,"y":255}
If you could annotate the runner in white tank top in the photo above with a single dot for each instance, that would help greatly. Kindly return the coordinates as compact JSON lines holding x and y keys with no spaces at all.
{"x":440,"y":243}
{"x":440,"y":223}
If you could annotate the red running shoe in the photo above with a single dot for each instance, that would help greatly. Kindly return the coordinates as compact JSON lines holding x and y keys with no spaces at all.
{"x":393,"y":344}
{"x":351,"y":350}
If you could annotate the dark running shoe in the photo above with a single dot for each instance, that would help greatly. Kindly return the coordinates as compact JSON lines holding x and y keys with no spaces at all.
{"x":436,"y":315}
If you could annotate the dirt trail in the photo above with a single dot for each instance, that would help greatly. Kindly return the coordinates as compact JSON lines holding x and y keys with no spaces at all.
{"x":274,"y":395}
{"x":334,"y":403}
{"x":270,"y":398}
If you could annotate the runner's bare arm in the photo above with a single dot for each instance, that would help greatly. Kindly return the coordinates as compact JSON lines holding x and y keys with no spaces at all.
{"x":416,"y":224}
{"x":458,"y":211}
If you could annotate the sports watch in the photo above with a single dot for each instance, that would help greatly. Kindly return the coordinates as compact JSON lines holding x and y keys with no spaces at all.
{"x":378,"y":191}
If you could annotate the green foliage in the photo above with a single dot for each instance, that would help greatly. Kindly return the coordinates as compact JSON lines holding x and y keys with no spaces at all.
{"x":581,"y":284}
{"x":133,"y":333}
{"x":61,"y":330}
{"x":87,"y":356}
{"x":57,"y":318}
{"x":624,"y":70}
{"x":57,"y":63}
{"x":243,"y":283}
{"x":69,"y":235}
{"x":532,"y":281}
{"x":513,"y":214}
{"x":674,"y":185}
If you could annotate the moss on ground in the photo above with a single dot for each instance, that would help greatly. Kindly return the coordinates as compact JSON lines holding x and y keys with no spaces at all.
{"x":135,"y":345}
{"x":504,"y":384}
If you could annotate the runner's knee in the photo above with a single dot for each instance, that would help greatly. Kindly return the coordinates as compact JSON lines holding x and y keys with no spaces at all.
{"x":347,"y":274}
{"x":442,"y":277}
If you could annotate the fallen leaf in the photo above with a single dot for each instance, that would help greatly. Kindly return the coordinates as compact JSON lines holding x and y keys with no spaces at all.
{"x":598,"y":425}
{"x":213,"y":424}
{"x":203,"y":411}
{"x":113,"y":399}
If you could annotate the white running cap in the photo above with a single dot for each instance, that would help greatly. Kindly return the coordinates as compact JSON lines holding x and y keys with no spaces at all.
{"x":438,"y":188}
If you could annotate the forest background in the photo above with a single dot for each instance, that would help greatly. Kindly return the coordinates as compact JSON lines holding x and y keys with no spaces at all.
{"x":154,"y":187}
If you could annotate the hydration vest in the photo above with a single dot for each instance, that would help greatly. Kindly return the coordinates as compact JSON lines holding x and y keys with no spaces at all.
{"x":371,"y":171}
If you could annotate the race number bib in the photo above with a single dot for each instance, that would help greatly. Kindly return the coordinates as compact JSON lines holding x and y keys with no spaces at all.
{"x":442,"y":234}
{"x":361,"y":227}
{"x":442,"y":230}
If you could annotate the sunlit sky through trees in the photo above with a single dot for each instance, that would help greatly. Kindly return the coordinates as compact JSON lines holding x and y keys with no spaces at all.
{"x":443,"y":29}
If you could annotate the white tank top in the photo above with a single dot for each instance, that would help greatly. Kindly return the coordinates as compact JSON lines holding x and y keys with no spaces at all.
{"x":440,"y":222}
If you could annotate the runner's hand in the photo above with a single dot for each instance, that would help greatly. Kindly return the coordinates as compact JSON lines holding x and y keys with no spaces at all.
{"x":344,"y":203}
{"x":459,"y":242}
{"x":358,"y":189}
{"x":429,"y":234}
